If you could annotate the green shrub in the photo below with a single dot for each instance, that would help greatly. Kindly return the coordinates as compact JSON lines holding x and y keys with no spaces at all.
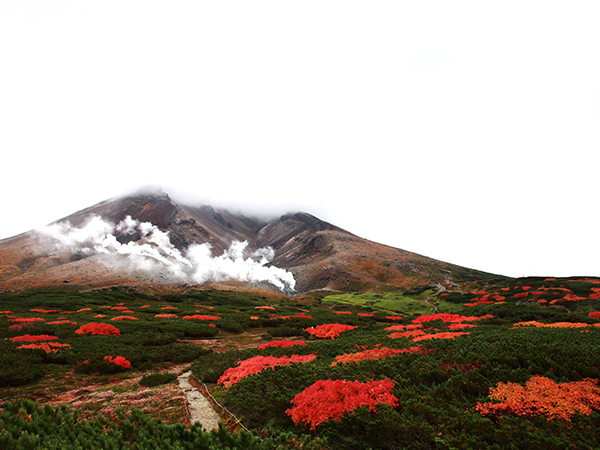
{"x":156,"y":379}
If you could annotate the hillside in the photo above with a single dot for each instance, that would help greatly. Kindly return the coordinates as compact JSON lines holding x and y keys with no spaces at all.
{"x":112,"y":243}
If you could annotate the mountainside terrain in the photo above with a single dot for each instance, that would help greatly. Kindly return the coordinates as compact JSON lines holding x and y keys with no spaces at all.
{"x":113,"y":243}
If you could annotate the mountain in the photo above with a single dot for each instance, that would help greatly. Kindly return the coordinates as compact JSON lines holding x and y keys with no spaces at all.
{"x":148,"y":239}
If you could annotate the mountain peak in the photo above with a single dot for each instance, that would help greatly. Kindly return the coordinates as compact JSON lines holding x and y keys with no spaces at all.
{"x":147,"y":237}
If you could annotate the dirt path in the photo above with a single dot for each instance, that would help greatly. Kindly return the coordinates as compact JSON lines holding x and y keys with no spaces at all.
{"x":200,"y":409}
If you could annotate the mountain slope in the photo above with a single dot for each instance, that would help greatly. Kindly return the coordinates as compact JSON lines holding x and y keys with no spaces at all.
{"x":111,"y":243}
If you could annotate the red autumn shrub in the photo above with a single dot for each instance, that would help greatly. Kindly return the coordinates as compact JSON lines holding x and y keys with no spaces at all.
{"x":119,"y":308}
{"x":393,"y":317}
{"x":256,"y":364}
{"x":376,"y":353}
{"x":45,"y":311}
{"x":295,"y":316}
{"x":119,"y":360}
{"x":48,"y":347}
{"x":409,"y":333}
{"x":460,"y":326}
{"x":365,"y":314}
{"x":413,"y":326}
{"x":61,"y":322}
{"x":342,"y":312}
{"x":33,"y":338}
{"x":166,"y":316}
{"x":25,"y":319}
{"x":329,"y":330}
{"x":444,"y":317}
{"x":124,"y":318}
{"x":201,"y":317}
{"x":594,"y":314}
{"x":542,"y":396}
{"x":333,"y":399}
{"x":282,"y":343}
{"x":98,"y":328}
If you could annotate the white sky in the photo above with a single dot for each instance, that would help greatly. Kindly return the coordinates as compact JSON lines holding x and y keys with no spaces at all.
{"x":464,"y":131}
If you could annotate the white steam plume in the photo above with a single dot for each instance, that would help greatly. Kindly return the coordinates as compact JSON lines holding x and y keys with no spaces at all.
{"x":153,"y":253}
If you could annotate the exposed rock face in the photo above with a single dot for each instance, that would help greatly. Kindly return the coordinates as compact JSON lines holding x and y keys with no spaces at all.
{"x":318,"y":254}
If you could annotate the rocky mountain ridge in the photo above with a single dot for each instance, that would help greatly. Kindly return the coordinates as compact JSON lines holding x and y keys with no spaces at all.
{"x":175,"y":252}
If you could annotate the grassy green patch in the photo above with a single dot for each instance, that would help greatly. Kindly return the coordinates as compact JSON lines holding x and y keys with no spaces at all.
{"x":393,"y":302}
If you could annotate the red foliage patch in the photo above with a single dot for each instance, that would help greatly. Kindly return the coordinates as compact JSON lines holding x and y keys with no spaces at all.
{"x":594,"y":314}
{"x":333,"y":399}
{"x":404,"y":327}
{"x":282,"y":343}
{"x":44,"y":311}
{"x":124,"y":318}
{"x":365,"y":314}
{"x":456,"y":318}
{"x":409,"y":333}
{"x":329,"y":330}
{"x":119,"y":360}
{"x":166,"y":316}
{"x":33,"y":338}
{"x":98,"y":328}
{"x":254,"y":365}
{"x":26,"y":319}
{"x":201,"y":317}
{"x":48,"y":347}
{"x":61,"y":322}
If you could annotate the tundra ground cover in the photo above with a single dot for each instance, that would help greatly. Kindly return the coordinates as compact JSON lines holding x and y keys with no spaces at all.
{"x":437,"y":383}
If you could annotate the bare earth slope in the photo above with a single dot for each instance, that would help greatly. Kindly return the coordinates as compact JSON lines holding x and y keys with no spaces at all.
{"x":318,"y":254}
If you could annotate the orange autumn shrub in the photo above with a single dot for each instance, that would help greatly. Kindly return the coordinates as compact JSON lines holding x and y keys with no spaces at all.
{"x":329,"y":330}
{"x":542,"y":396}
{"x":98,"y":328}
{"x":256,"y":364}
{"x":376,"y":353}
{"x":444,"y":335}
{"x":124,"y":318}
{"x":553,"y":325}
{"x":166,"y":316}
{"x":332,"y":399}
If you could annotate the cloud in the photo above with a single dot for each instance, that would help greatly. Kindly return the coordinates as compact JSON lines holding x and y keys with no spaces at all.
{"x":153,"y":254}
